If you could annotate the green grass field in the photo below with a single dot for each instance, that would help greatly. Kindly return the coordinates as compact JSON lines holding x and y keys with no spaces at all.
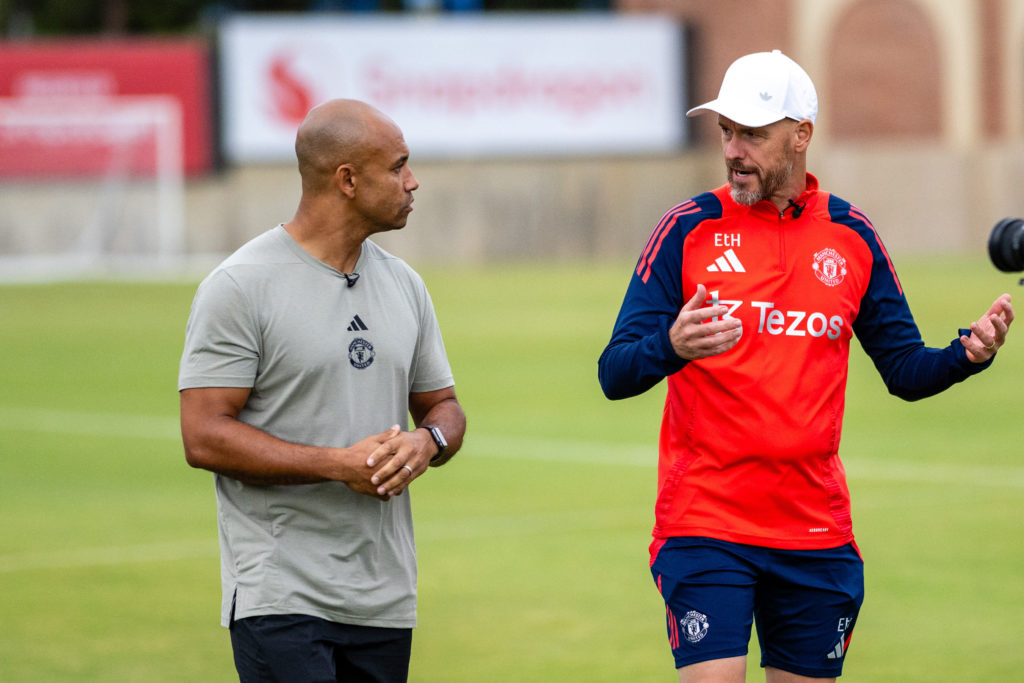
{"x":533,"y":543}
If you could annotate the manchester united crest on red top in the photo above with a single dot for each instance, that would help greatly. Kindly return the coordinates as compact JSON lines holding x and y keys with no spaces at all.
{"x":829,"y":266}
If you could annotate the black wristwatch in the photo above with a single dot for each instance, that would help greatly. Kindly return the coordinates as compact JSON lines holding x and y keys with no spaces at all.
{"x":439,"y":440}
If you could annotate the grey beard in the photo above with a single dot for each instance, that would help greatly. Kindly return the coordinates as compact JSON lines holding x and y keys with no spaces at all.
{"x":745,"y":197}
{"x":771,"y":182}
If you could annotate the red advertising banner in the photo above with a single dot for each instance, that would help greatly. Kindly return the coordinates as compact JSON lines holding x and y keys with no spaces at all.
{"x":71,"y":108}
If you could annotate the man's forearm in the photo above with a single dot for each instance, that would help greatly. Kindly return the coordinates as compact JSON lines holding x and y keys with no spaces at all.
{"x":234,"y":449}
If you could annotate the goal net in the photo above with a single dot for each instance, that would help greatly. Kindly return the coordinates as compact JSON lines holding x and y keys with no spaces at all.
{"x":92,"y":186}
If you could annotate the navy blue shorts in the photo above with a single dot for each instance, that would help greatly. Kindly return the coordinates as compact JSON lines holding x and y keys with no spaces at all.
{"x":302,"y":649}
{"x":804,"y":602}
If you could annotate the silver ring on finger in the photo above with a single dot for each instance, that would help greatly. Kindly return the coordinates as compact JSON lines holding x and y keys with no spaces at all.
{"x":406,"y":467}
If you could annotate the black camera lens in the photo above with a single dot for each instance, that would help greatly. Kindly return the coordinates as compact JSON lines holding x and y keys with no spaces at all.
{"x":1006,"y":245}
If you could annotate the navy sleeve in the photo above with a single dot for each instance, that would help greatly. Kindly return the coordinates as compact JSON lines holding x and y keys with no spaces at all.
{"x":887,"y":331}
{"x":640,"y":353}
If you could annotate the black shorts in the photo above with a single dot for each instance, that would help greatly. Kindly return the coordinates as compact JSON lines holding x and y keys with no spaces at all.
{"x":295,"y":647}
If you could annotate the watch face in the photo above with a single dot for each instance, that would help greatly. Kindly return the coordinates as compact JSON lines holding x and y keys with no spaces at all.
{"x":439,"y":441}
{"x":438,"y":438}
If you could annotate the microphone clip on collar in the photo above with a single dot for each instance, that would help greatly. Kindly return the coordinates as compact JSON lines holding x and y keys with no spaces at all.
{"x":798,"y":208}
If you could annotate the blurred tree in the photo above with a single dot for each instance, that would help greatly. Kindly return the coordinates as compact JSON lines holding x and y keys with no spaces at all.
{"x":59,"y":17}
{"x":542,"y":5}
{"x":27,"y":18}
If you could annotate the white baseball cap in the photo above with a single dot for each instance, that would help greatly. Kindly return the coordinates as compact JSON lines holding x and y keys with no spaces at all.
{"x":762,"y":88}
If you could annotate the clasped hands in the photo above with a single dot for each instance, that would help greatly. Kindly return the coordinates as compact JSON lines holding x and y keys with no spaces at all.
{"x":390,"y":461}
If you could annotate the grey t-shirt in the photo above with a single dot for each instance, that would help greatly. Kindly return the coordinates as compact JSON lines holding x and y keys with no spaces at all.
{"x":328,"y":365}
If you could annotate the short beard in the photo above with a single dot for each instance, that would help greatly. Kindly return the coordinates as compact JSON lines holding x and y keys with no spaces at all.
{"x":771,"y":182}
{"x":745,"y":197}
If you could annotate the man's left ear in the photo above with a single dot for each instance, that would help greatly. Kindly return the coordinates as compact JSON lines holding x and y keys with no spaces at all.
{"x":802,"y":134}
{"x":345,"y":180}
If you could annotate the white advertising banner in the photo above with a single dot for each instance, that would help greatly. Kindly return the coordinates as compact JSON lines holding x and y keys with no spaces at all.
{"x":459,"y":86}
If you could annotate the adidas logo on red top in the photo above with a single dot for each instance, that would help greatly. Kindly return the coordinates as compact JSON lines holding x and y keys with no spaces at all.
{"x":727,"y":263}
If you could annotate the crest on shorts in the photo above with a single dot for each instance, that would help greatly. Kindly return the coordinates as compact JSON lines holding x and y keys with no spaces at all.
{"x":695,"y":626}
{"x":360,"y":353}
{"x":829,"y":266}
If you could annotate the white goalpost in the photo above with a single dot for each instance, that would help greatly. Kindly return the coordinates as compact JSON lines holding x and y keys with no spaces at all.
{"x":120,"y":211}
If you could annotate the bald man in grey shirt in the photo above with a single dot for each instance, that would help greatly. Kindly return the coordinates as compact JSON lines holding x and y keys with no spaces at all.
{"x":305,"y":353}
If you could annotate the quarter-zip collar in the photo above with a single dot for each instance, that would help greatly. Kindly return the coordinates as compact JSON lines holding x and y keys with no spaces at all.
{"x":804,"y":203}
{"x":771,"y":218}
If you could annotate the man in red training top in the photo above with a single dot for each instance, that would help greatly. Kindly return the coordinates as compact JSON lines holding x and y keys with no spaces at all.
{"x":747,"y":298}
